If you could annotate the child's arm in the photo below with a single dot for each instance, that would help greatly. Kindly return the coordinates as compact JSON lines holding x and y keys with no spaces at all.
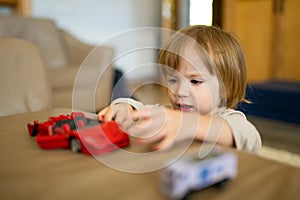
{"x":169,"y":126}
{"x":154,"y":123}
{"x":245,"y":134}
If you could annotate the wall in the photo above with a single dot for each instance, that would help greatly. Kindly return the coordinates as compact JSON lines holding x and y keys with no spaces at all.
{"x":100,"y":21}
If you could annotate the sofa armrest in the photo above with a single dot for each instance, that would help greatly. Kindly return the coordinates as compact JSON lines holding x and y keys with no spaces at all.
{"x":23,"y":79}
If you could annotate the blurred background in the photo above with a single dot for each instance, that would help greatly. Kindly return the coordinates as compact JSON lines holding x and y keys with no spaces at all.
{"x":268,"y":29}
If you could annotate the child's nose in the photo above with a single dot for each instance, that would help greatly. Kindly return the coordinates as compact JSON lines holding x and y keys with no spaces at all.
{"x":182,"y":89}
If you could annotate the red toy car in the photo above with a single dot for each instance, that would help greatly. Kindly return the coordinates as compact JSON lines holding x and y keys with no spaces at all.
{"x":78,"y":133}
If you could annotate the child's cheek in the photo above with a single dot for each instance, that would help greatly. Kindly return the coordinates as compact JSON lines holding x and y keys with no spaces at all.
{"x":172,"y":98}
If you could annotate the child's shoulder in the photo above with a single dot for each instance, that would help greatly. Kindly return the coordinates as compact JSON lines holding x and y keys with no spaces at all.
{"x":229,"y":112}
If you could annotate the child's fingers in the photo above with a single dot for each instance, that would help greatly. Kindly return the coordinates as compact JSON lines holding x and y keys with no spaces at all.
{"x":138,"y":129}
{"x":106,"y":114}
{"x":101,"y":114}
{"x":146,"y":113}
{"x":109,"y":115}
{"x":147,"y":130}
{"x":126,"y":124}
{"x":140,"y":114}
{"x":123,"y":119}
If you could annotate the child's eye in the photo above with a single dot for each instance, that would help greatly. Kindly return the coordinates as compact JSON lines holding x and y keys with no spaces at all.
{"x":196,"y":82}
{"x":172,"y":80}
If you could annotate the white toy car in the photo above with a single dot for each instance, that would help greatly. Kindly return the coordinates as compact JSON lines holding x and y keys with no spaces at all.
{"x":191,"y":173}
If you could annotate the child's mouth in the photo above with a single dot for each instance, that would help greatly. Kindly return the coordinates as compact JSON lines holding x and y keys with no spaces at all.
{"x":185,"y":108}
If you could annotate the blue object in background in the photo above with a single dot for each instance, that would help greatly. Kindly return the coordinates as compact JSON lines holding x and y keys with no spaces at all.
{"x":279,"y":100}
{"x":120,"y":86}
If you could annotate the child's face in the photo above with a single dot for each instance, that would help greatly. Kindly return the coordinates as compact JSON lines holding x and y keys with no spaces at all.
{"x":193,"y":90}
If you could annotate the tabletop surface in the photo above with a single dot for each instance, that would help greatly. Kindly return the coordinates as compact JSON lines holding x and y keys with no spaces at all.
{"x":28,"y":172}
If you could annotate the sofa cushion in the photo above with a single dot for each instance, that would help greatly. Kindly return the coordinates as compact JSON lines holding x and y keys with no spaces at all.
{"x":62,"y":77}
{"x":41,"y":32}
{"x":65,"y":77}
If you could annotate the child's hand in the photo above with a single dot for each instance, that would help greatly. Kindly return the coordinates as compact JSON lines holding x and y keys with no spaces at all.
{"x":119,"y":113}
{"x":156,"y":123}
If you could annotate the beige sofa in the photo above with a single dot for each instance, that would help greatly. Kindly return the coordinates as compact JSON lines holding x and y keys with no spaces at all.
{"x":80,"y":75}
{"x":23,"y":79}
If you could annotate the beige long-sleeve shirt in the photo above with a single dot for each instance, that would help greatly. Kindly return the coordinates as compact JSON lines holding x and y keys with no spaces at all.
{"x":246,"y":136}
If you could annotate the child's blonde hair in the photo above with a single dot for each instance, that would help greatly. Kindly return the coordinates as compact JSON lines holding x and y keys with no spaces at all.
{"x":222,"y":54}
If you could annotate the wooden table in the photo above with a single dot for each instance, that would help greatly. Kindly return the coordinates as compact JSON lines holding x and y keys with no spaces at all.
{"x":28,"y":172}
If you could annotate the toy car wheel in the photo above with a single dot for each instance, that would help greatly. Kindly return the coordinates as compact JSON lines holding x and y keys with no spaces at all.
{"x":75,"y":145}
{"x":34,"y":131}
{"x":222,"y":184}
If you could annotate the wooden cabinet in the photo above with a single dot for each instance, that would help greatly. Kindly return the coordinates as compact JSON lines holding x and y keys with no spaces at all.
{"x":291,"y":43}
{"x":268,"y":31}
{"x":21,"y":7}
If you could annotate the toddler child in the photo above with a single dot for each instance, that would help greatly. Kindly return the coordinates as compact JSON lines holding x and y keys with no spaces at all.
{"x":206,"y":75}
